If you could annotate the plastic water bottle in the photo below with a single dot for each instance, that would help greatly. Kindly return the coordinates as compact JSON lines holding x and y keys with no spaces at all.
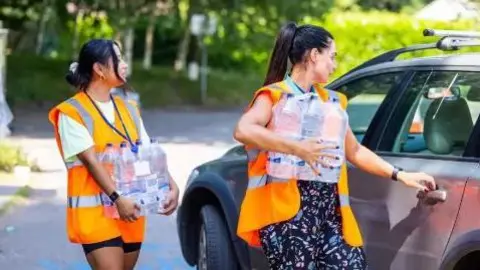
{"x":109,"y":160}
{"x":286,"y":123}
{"x":333,"y":131}
{"x":288,"y":115}
{"x":158,"y":161}
{"x":126,"y":172}
{"x":312,"y":120}
{"x":143,"y":151}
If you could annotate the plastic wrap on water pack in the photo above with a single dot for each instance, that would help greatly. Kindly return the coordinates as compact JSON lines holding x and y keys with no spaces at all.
{"x":141,"y":176}
{"x":305,"y":116}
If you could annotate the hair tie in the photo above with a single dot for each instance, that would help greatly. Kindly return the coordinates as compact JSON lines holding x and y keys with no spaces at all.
{"x":73,"y":67}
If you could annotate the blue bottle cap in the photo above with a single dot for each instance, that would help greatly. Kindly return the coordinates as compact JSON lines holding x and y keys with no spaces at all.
{"x":135,"y":149}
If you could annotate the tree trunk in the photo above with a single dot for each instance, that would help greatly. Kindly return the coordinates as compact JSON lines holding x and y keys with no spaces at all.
{"x":42,"y":26}
{"x":129,"y":38}
{"x":182,"y":52}
{"x":149,"y":35}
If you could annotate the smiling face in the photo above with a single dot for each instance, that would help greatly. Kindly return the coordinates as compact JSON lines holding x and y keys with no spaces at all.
{"x":108,"y":73}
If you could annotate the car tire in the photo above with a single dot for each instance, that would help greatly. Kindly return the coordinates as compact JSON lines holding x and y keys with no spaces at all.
{"x":215,"y":251}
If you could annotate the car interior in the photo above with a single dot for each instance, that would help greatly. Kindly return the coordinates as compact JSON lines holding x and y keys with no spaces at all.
{"x":447,"y":120}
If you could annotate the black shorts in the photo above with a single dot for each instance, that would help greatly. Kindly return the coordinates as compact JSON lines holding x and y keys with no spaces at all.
{"x":115,"y":242}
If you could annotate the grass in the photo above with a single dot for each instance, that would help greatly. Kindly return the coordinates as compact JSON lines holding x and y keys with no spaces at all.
{"x":19,"y":197}
{"x":35,"y":80}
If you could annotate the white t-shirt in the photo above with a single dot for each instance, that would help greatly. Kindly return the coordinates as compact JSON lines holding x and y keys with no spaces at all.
{"x":75,"y":137}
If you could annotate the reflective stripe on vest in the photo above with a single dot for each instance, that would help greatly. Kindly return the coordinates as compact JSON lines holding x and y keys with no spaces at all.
{"x":135,"y":116}
{"x":252,"y":154}
{"x":75,"y":163}
{"x":88,"y":120}
{"x":333,"y":96}
{"x":84,"y":201}
{"x":262,"y":180}
{"x":78,"y":162}
{"x":344,"y":200}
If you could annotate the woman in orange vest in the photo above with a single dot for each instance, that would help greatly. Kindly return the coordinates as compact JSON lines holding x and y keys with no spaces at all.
{"x":305,"y":224}
{"x":84,"y":125}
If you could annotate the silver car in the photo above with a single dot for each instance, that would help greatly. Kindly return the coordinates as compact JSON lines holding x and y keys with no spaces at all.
{"x":421,"y":114}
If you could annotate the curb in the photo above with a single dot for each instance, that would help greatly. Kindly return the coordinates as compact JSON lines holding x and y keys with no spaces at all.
{"x":22,"y":193}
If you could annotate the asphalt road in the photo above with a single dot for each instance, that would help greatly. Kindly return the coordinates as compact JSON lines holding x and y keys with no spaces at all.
{"x":32,"y":235}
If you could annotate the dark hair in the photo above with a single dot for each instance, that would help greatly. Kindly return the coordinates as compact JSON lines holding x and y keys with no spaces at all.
{"x":94,"y":51}
{"x":292,"y":43}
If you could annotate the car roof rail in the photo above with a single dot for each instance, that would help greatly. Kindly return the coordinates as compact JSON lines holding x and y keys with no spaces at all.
{"x":451,"y":40}
{"x":393,"y":54}
{"x":450,"y":33}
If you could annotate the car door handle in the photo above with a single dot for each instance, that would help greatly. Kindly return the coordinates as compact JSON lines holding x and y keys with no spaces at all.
{"x":433,"y":197}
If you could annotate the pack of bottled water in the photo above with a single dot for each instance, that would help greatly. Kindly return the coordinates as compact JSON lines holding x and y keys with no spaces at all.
{"x":142,"y":176}
{"x":305,"y":116}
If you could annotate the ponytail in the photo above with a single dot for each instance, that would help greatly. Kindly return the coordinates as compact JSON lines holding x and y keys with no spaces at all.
{"x":280,"y":54}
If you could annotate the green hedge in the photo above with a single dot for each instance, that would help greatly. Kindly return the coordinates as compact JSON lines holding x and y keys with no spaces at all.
{"x":242,"y":55}
{"x":359,"y":35}
{"x":33,"y":79}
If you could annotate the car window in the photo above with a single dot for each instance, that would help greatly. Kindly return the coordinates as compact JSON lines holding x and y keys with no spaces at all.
{"x":444,"y":106}
{"x":365,"y":95}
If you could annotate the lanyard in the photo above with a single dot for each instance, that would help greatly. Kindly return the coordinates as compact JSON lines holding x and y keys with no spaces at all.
{"x":125,"y":136}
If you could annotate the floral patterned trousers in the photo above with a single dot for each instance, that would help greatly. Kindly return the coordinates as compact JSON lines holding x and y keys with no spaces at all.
{"x":312,"y":240}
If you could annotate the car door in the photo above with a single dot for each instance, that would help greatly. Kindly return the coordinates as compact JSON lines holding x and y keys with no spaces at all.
{"x":422,"y":132}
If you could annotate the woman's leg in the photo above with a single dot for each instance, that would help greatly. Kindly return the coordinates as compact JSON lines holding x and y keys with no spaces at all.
{"x":292,"y":244}
{"x":131,"y":253}
{"x":333,"y":251}
{"x":107,"y":255}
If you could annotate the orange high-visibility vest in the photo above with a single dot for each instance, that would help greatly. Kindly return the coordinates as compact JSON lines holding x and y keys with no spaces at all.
{"x":269,"y":200}
{"x":86,"y":222}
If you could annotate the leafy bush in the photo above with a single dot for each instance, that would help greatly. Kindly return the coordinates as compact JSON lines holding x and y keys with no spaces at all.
{"x":10,"y":157}
{"x":32,"y":79}
{"x":360,"y":36}
{"x":241,"y":54}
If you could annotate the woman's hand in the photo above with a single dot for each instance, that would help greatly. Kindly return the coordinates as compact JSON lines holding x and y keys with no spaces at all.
{"x":171,"y":203}
{"x":311,"y":150}
{"x":127,"y":209}
{"x":418,"y":180}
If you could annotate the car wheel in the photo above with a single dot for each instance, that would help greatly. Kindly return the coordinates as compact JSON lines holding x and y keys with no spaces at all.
{"x":215,"y":251}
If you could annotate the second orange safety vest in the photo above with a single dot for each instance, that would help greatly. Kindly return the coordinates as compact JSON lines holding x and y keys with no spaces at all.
{"x":269,"y":200}
{"x":86,"y":222}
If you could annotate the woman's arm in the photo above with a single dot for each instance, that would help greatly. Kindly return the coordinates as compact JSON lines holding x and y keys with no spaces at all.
{"x":364,"y":159}
{"x":127,"y":209}
{"x":99,"y":174}
{"x":172,"y":203}
{"x":367,"y":161}
{"x":251,"y":129}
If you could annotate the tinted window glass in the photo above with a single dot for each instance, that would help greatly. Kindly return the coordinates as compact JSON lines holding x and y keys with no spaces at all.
{"x":442,"y":113}
{"x":365,"y":95}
